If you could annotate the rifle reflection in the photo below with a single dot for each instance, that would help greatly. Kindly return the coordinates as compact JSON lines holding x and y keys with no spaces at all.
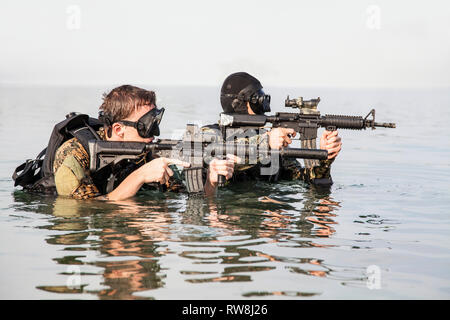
{"x":265,"y":218}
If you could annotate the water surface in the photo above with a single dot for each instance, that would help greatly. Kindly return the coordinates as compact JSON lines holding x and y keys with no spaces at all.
{"x":385,"y":218}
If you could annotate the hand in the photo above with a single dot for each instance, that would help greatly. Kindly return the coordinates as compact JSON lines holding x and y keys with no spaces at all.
{"x":278,"y":137}
{"x":158,"y":170}
{"x":221,"y":167}
{"x":331,"y":142}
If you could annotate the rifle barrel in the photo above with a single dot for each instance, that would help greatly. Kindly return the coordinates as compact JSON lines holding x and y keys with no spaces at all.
{"x":385,"y":124}
{"x":343,"y":122}
{"x":246,"y":150}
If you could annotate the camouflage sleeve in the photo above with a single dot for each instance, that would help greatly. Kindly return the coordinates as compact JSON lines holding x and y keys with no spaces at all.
{"x":71,"y":171}
{"x":292,"y":170}
{"x":262,"y":154}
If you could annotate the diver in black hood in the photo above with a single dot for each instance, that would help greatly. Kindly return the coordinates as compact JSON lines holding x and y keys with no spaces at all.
{"x":242,"y":93}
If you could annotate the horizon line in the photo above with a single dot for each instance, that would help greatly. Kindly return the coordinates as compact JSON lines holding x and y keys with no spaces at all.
{"x":108,"y":85}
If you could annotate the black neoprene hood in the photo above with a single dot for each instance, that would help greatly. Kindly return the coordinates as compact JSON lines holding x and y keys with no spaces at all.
{"x":232,"y":85}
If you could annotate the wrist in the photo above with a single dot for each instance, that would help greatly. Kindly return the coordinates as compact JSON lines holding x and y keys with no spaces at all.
{"x":327,"y":162}
{"x":210,"y":181}
{"x":210,"y":187}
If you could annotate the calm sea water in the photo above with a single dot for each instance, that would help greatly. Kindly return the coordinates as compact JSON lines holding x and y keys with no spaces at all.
{"x":381,"y":231}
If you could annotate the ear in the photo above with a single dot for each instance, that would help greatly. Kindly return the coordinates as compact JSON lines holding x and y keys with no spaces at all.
{"x":118,"y":130}
{"x":249,"y":109}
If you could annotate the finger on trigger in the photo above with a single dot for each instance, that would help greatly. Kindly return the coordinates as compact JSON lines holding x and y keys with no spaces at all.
{"x":169,"y":171}
{"x":177,"y":162}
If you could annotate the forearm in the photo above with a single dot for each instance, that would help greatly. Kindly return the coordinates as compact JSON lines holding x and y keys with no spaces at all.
{"x":292,"y":170}
{"x":210,"y":188}
{"x":128,"y":188}
{"x":322,"y":171}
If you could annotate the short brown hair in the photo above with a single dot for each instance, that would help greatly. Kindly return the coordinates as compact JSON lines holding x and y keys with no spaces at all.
{"x":122,"y":101}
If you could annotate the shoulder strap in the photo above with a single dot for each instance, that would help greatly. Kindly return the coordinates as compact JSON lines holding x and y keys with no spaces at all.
{"x":27,"y":173}
{"x":65,"y":130}
{"x":84,"y":135}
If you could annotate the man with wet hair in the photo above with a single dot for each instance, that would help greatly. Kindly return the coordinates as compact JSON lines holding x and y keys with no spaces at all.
{"x":242,"y":93}
{"x":127,"y":114}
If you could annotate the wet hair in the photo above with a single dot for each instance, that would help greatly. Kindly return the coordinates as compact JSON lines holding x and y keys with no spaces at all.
{"x":122,"y":101}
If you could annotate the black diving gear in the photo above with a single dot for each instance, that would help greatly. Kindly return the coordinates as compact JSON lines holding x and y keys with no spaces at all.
{"x":240,"y":88}
{"x":37,"y":175}
{"x":147,"y":126}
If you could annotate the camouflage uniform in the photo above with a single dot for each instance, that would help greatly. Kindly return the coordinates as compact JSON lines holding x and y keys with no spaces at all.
{"x":289,"y":169}
{"x":72,"y":176}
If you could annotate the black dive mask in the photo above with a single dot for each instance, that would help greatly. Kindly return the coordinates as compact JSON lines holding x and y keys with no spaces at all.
{"x":148,"y":125}
{"x":260,"y":102}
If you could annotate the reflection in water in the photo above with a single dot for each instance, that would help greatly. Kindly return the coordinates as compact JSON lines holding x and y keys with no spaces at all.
{"x":318,"y":210}
{"x":123,"y":229}
{"x":125,"y":241}
{"x":263,"y":220}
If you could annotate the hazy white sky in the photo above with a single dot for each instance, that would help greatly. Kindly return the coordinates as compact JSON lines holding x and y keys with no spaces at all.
{"x":283,"y":43}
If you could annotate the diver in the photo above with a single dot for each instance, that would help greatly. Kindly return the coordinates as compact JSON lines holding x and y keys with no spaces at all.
{"x":127,"y":114}
{"x":243,"y":93}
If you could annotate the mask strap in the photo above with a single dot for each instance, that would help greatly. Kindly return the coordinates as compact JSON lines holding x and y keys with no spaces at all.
{"x":107,"y":121}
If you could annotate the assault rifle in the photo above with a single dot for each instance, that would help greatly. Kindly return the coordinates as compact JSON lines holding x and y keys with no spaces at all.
{"x":306,"y":121}
{"x":194,"y":148}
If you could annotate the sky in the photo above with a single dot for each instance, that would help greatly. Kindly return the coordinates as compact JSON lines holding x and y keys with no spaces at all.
{"x":353,"y":43}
